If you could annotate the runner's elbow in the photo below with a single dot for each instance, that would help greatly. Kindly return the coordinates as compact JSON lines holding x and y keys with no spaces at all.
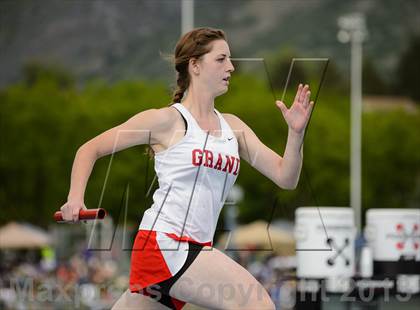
{"x":287,"y":184}
{"x":90,"y":150}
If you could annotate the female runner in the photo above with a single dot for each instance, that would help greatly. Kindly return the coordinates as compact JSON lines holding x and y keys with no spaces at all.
{"x":197,"y":154}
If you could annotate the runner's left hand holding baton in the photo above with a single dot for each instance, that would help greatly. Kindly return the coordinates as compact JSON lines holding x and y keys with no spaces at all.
{"x":73,"y":211}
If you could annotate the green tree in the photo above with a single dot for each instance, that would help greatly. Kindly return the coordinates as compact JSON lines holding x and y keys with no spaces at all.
{"x":34,"y":71}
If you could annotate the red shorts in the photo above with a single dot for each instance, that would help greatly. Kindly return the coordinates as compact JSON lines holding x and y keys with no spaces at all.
{"x":157,"y":260}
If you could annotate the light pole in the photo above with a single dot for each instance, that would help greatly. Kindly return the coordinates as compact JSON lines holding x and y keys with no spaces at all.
{"x":353,"y":30}
{"x":187,"y":15}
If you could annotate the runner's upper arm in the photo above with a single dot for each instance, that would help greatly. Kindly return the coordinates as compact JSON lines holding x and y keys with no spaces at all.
{"x":142,"y":128}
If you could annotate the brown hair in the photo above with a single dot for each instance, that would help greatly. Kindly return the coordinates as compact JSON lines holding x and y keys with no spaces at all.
{"x":193,"y":44}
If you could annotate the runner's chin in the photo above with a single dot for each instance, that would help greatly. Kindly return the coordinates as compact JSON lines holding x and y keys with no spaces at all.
{"x":223,"y":89}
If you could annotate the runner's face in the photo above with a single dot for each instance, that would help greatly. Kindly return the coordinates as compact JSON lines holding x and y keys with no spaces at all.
{"x":215,"y":68}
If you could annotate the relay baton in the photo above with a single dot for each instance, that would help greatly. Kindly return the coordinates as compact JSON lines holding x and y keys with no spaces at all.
{"x":89,"y":214}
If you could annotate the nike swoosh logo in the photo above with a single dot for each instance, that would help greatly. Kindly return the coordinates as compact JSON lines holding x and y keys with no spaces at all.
{"x":230,"y":139}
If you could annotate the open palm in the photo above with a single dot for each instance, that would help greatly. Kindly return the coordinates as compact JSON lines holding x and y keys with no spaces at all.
{"x":297,"y":116}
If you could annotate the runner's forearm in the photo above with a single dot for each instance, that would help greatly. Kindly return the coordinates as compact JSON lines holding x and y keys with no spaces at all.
{"x":292,"y":159}
{"x":82,"y":167}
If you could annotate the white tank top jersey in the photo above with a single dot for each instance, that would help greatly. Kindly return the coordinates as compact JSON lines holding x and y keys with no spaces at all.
{"x":195,"y":176}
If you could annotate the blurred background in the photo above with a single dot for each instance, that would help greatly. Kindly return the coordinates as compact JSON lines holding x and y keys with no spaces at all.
{"x":72,"y":69}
